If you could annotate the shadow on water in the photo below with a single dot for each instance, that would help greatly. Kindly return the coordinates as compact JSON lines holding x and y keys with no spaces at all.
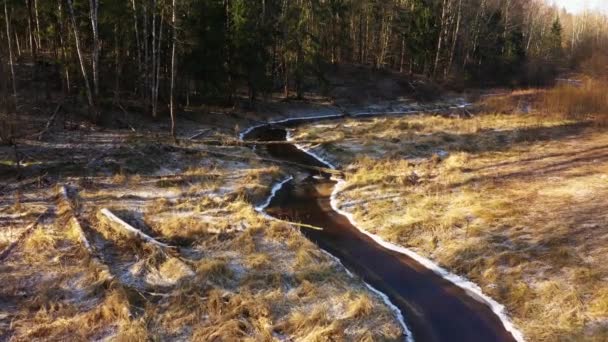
{"x":434,"y":308}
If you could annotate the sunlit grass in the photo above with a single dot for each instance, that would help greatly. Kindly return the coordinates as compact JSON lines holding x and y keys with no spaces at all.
{"x":516,"y":202}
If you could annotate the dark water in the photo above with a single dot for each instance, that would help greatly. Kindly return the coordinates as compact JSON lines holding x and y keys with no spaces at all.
{"x":434,"y":308}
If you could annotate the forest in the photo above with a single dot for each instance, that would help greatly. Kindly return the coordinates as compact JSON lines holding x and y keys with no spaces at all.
{"x":303,"y":170}
{"x":166,"y":54}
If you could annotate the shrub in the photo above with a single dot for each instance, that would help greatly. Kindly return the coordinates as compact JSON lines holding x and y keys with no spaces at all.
{"x":589,"y":100}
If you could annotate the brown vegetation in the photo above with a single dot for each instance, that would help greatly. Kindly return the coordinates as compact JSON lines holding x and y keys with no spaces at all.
{"x":587,"y":100}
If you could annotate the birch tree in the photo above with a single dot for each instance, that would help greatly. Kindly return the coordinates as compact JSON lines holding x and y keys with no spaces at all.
{"x":83,"y":68}
{"x":94,"y":8}
{"x":10,"y":53}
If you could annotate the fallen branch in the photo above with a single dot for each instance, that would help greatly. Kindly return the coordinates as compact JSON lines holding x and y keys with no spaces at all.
{"x":199,"y":133}
{"x":51,"y":120}
{"x":124,"y":111}
{"x":298,"y":224}
{"x":130,"y":230}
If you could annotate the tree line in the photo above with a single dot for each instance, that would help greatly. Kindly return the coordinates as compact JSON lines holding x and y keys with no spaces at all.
{"x":167,"y":53}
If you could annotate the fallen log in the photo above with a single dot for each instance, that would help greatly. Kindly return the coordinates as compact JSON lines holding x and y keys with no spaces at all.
{"x":297,"y":224}
{"x":130,"y":230}
{"x":199,"y":133}
{"x":63,"y":192}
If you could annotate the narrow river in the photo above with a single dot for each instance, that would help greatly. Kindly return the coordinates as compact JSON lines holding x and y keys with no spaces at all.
{"x":434,"y":308}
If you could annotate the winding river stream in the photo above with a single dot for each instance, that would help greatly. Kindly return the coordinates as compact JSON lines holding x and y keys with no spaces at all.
{"x":434,"y":306}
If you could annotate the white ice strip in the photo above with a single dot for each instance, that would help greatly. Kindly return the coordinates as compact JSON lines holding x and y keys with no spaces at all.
{"x":409,"y":337}
{"x":471,"y":288}
{"x":260,"y":208}
{"x":274,"y":122}
{"x":309,"y":152}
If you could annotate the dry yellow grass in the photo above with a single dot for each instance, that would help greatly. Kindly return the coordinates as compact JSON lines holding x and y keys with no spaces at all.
{"x":589,"y":100}
{"x":231,"y":275}
{"x":517,"y":203}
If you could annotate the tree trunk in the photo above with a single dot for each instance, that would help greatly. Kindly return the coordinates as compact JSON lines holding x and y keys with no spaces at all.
{"x":454,"y":40}
{"x":402,"y":54}
{"x":94,"y":7}
{"x":137,"y":39}
{"x":442,"y":28}
{"x":62,"y":41}
{"x":18,"y":45}
{"x":157,"y":71}
{"x":117,"y":65}
{"x":173,"y":69}
{"x":153,"y":81}
{"x":10,"y":54}
{"x":83,"y":68}
{"x":146,"y":65}
{"x":37,"y":24}
{"x":30,"y":24}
